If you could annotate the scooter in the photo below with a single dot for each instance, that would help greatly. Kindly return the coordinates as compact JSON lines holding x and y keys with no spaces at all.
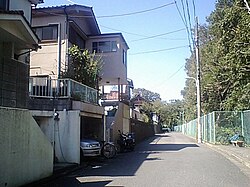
{"x":126,"y":141}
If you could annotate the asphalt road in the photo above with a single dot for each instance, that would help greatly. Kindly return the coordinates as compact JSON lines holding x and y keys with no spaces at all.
{"x":167,"y":160}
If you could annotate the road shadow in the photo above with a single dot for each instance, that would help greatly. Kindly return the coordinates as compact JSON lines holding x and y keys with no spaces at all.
{"x":124,"y":164}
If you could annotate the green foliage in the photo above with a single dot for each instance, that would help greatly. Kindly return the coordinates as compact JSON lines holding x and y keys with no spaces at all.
{"x":172,"y":113}
{"x":84,"y":66}
{"x":169,"y":113}
{"x":146,"y":94}
{"x":225,"y":60}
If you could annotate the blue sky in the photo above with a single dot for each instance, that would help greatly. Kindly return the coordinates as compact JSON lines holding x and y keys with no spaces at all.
{"x":154,"y":63}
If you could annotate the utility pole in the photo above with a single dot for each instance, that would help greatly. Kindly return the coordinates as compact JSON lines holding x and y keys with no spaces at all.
{"x":198,"y":94}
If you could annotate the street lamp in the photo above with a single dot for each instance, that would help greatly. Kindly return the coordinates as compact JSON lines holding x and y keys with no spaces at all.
{"x":198,"y":96}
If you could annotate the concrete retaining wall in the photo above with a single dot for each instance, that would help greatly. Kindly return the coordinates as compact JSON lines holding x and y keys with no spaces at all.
{"x":142,"y":130}
{"x":64,"y":133}
{"x":26,"y":154}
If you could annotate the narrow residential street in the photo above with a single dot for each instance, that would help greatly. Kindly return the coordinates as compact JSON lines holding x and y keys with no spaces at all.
{"x":170,"y":159}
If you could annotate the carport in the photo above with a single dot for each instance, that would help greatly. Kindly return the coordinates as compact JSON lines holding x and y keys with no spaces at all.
{"x":91,"y":126}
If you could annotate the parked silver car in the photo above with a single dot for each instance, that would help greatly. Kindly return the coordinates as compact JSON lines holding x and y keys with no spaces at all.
{"x":90,"y":147}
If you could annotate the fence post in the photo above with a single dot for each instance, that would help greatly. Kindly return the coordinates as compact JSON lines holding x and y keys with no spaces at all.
{"x":69,"y":88}
{"x":242,"y":123}
{"x":214,"y":127}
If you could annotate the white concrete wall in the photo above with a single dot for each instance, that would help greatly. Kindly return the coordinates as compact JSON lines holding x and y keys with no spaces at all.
{"x":64,"y":134}
{"x":26,"y":154}
{"x":67,"y":137}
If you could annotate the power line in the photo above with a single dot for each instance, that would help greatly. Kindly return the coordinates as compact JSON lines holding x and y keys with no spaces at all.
{"x":185,"y":24}
{"x":194,"y":9}
{"x":160,"y":50}
{"x":155,"y":36}
{"x":123,"y":31}
{"x":134,"y":13}
{"x":170,"y":77}
{"x":189,"y":20}
{"x":135,"y":34}
{"x":184,"y":13}
{"x":109,"y":16}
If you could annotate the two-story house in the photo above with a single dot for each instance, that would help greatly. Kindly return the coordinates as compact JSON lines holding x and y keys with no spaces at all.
{"x":26,"y":153}
{"x":59,"y":28}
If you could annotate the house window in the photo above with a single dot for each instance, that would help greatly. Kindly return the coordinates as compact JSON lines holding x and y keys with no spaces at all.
{"x":104,"y":46}
{"x":125,"y":57}
{"x":4,"y":4}
{"x":47,"y":33}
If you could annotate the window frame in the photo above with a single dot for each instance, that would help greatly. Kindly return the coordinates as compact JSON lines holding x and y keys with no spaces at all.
{"x":44,"y":38}
{"x":4,"y":5}
{"x":99,"y":47}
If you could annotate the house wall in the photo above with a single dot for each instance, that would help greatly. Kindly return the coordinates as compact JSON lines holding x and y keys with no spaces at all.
{"x":113,"y":67}
{"x":45,"y":60}
{"x":122,"y":122}
{"x":25,"y":6}
{"x":26,"y":154}
{"x":64,"y":134}
{"x":13,"y":79}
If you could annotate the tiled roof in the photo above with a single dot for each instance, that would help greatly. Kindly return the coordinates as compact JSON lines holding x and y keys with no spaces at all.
{"x":61,"y":6}
{"x":18,"y":12}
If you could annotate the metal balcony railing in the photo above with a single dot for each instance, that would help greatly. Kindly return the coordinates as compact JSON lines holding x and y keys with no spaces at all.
{"x":61,"y":88}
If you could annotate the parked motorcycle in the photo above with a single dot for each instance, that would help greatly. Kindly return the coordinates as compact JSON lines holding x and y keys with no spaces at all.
{"x":126,"y":141}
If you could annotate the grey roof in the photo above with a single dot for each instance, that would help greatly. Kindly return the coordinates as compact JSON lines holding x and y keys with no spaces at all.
{"x":65,"y":10}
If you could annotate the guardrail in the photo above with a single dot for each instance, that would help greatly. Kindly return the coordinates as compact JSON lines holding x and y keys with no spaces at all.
{"x":61,"y":88}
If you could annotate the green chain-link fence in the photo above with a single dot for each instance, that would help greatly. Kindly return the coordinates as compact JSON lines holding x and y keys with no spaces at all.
{"x":219,"y":126}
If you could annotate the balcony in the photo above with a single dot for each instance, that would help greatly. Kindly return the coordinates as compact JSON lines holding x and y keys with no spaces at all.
{"x":47,"y":88}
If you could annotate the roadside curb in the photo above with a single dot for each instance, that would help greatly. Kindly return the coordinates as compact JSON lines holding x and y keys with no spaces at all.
{"x":231,"y":155}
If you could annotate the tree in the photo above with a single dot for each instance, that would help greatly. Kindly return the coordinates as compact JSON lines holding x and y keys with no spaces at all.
{"x":84,"y":66}
{"x":146,"y":94}
{"x":225,"y":60}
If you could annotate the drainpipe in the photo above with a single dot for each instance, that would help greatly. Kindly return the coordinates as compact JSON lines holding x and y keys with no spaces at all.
{"x":59,"y":50}
{"x":66,"y":37}
{"x":59,"y":53}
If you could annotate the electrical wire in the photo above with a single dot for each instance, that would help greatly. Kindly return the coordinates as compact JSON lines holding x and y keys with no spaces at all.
{"x":155,"y":36}
{"x":189,"y":21}
{"x":194,"y":9}
{"x":184,"y":13}
{"x":135,"y":34}
{"x":110,"y":16}
{"x":160,"y":50}
{"x":134,"y":13}
{"x":184,"y":25}
{"x":170,"y":77}
{"x":59,"y":141}
{"x":123,"y":31}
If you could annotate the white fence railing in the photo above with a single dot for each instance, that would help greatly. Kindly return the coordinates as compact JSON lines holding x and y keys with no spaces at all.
{"x":61,"y":88}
